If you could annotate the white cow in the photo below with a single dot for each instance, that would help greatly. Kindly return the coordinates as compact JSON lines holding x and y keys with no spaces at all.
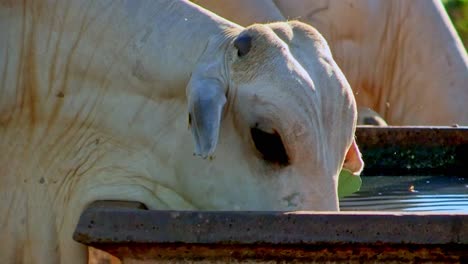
{"x":95,"y":102}
{"x":402,"y":58}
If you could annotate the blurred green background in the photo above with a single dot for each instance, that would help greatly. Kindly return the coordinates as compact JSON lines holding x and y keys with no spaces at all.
{"x":458,"y":12}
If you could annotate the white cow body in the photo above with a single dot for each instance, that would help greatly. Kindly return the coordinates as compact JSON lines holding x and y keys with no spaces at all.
{"x":93,"y":105}
{"x":402,"y":58}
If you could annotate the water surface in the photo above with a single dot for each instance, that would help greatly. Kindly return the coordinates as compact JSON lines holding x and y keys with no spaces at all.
{"x":410,"y":193}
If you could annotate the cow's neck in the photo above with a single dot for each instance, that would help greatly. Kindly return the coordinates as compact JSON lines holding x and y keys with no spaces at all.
{"x":161,"y":41}
{"x":96,"y":85}
{"x":92,"y":106}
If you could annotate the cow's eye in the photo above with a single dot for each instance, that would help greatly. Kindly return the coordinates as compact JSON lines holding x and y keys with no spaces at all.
{"x":270,"y":146}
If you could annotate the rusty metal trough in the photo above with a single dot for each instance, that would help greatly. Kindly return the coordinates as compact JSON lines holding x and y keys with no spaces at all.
{"x":136,"y":235}
{"x":132,"y":233}
{"x":414,"y":150}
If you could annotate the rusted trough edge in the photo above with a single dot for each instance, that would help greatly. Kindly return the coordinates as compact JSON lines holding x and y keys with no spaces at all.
{"x":412,"y":135}
{"x":346,"y":253}
{"x":414,"y":150}
{"x":114,"y":224}
{"x":127,"y":230}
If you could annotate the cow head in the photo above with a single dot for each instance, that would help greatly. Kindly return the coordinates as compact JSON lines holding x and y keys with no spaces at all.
{"x":274,"y":120}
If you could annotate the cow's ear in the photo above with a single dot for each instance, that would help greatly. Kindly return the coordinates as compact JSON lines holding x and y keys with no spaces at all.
{"x":206,"y":99}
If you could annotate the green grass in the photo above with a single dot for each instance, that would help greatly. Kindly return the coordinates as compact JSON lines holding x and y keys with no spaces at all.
{"x":458,"y":12}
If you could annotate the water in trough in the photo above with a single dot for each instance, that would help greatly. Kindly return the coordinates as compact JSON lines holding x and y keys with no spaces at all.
{"x":410,"y":194}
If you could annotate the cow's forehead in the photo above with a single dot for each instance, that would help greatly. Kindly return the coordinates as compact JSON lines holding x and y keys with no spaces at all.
{"x":296,"y":85}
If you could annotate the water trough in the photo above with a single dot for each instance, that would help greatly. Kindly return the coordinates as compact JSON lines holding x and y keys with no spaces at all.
{"x":136,"y":235}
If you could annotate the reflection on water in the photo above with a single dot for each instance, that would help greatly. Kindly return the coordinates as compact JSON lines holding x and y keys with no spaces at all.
{"x":410,"y":193}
